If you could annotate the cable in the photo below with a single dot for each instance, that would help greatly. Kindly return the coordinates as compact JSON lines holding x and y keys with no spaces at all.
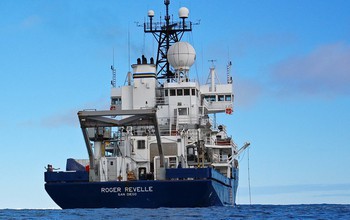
{"x":250,"y":195}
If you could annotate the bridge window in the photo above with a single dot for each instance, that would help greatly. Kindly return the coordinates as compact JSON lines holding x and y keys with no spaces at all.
{"x":179,"y":92}
{"x":221,"y":98}
{"x":172,"y":92}
{"x":186,"y":91}
{"x":193,"y":92}
{"x":210,"y":98}
{"x":117,"y":101}
{"x":166,"y":92}
{"x":228,"y":98}
{"x":141,"y":144}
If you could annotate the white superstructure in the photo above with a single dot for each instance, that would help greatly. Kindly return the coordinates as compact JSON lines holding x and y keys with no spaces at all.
{"x":157,"y":124}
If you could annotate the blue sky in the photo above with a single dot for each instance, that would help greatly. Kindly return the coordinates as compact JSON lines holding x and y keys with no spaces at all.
{"x":291,"y":71}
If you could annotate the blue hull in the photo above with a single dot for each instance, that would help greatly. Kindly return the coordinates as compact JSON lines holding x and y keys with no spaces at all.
{"x":140,"y":194}
{"x":183,"y":188}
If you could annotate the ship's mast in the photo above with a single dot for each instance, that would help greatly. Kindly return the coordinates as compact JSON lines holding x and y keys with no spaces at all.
{"x":167,"y":33}
{"x":114,"y":75}
{"x":228,"y":72}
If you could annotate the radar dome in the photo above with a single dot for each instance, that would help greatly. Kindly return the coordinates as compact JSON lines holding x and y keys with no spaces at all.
{"x":183,"y":12}
{"x":181,"y":55}
{"x":150,"y":13}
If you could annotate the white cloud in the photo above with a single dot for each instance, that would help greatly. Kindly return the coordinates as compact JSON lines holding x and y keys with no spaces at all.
{"x":67,"y":117}
{"x":323,"y":72}
{"x":70,"y":117}
{"x":246,"y":92}
{"x":31,"y":21}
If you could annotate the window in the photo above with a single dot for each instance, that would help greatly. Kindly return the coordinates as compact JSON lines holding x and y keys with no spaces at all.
{"x":141,"y":144}
{"x":142,"y":173}
{"x":186,"y":91}
{"x":172,"y":92}
{"x":183,"y":111}
{"x":117,"y":101}
{"x":166,"y":92}
{"x":221,"y":98}
{"x":228,"y":98}
{"x":172,"y":162}
{"x":212,"y":98}
{"x":179,"y":92}
{"x":193,"y":92}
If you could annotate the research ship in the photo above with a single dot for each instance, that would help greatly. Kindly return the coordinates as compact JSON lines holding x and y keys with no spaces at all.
{"x":159,"y":144}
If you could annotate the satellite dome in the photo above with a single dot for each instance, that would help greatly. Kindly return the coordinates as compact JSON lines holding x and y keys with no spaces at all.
{"x":181,"y":56}
{"x":183,"y":12}
{"x":150,"y":13}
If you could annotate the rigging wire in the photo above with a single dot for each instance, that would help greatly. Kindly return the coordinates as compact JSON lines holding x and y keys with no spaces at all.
{"x":129,"y":47}
{"x":144,"y":44}
{"x":129,"y":55}
{"x":250,"y":194}
{"x":191,"y":39}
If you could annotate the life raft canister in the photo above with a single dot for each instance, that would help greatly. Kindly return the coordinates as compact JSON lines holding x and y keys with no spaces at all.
{"x":228,"y":111}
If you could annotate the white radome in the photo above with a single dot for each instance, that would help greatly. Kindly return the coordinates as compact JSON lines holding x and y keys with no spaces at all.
{"x":150,"y":13}
{"x":183,"y":12}
{"x":181,"y":56}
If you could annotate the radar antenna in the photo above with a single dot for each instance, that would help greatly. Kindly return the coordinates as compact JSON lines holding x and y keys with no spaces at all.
{"x":212,"y":78}
{"x":229,"y":77}
{"x":212,"y":63}
{"x":114,"y":75}
{"x":167,"y":33}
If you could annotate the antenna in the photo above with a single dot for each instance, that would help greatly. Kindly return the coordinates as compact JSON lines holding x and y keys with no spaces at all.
{"x":229,"y":77}
{"x":228,"y":68}
{"x":167,"y":33}
{"x":128,"y":47}
{"x":212,"y":62}
{"x":114,"y":77}
{"x":212,"y":78}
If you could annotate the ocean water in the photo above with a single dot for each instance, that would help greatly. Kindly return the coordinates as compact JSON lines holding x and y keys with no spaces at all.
{"x":323,"y":211}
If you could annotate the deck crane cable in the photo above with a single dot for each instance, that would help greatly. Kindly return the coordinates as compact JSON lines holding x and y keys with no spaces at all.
{"x":241,"y":157}
{"x":250,"y":195}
